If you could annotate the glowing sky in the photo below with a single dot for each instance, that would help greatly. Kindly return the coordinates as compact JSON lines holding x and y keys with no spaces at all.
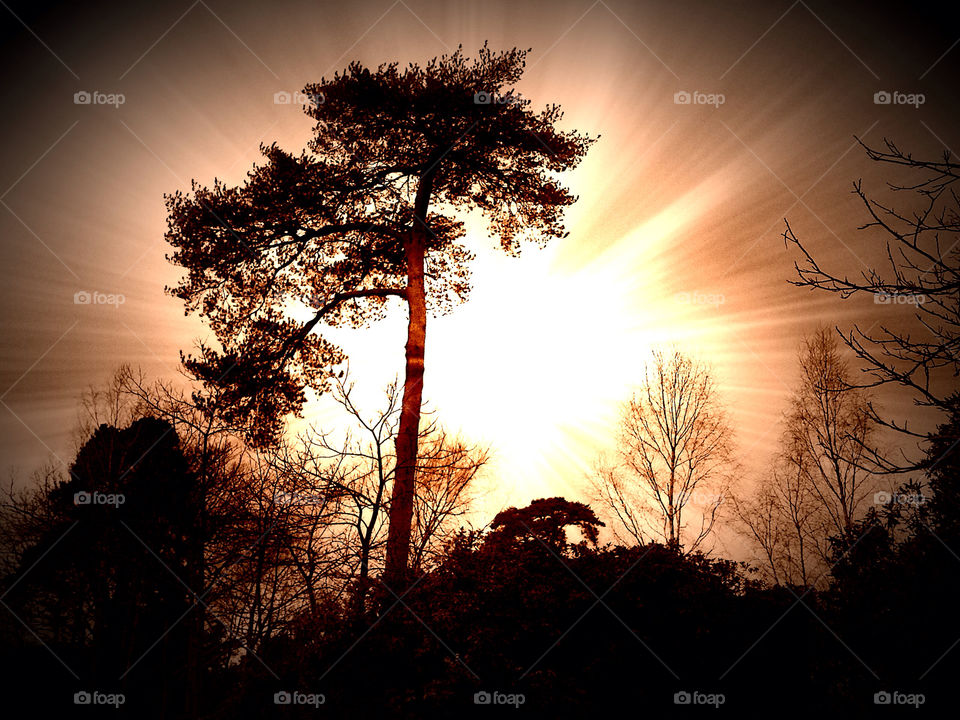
{"x":675,"y":238}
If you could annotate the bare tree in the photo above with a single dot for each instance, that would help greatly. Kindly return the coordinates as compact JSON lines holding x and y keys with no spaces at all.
{"x":781,"y":520}
{"x":26,"y":512}
{"x":760,"y":519}
{"x":674,"y":456}
{"x":265,"y":554}
{"x":805,"y":539}
{"x":109,"y":404}
{"x":923,"y":272}
{"x":827,"y":429}
{"x":355,"y":476}
{"x":817,"y":485}
{"x":617,"y":492}
{"x":286,"y":573}
{"x":445,"y":472}
{"x":241,"y":569}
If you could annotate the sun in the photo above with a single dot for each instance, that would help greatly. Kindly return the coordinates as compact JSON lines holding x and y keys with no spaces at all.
{"x":522,"y":357}
{"x":538,"y":361}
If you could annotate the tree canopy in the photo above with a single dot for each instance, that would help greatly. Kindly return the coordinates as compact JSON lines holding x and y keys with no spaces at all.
{"x":393,"y":150}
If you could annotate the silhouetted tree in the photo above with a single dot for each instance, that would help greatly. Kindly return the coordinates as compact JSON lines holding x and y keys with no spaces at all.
{"x":942,"y":469}
{"x":118,"y":547}
{"x":446,"y":469}
{"x":284,"y":568}
{"x":517,"y":609}
{"x":923,"y":270}
{"x":827,"y":428}
{"x":545,"y":521}
{"x":897,"y":565}
{"x":230,"y":533}
{"x":365,"y":214}
{"x":674,"y":451}
{"x":760,"y":519}
{"x":816,"y":486}
{"x":785,"y":520}
{"x":271,"y":558}
{"x":352,"y":478}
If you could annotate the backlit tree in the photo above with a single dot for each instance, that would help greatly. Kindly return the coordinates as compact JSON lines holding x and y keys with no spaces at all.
{"x":368,"y":212}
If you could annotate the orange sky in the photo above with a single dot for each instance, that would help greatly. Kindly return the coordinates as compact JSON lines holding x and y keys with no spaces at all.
{"x":675,"y":238}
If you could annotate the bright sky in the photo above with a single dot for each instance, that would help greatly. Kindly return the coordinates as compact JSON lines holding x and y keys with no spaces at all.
{"x":675,"y":237}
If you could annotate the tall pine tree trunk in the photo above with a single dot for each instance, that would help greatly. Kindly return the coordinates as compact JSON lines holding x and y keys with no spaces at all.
{"x":401,"y":503}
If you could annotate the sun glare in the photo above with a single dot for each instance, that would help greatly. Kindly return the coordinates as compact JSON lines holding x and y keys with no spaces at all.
{"x":539,"y":359}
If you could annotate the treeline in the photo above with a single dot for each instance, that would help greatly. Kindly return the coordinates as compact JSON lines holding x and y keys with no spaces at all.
{"x":179,"y":572}
{"x":171,"y":546}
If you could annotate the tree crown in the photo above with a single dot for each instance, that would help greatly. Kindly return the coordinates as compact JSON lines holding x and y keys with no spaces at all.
{"x":394,"y":156}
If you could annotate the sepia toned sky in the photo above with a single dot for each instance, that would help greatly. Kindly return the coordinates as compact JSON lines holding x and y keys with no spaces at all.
{"x":676,"y":237}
